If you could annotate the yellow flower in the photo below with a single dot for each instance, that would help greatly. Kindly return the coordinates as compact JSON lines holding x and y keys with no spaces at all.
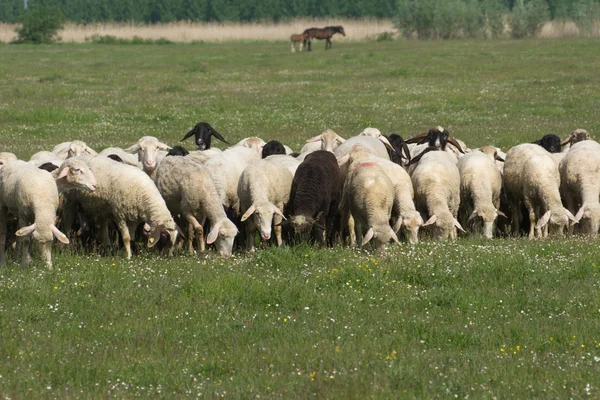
{"x":337,"y":349}
{"x":518,"y":348}
{"x":284,"y":319}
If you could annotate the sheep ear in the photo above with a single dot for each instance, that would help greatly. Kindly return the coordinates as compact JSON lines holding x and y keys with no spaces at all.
{"x":474,"y":214}
{"x":580,"y":212}
{"x":155,"y":236}
{"x":315,"y":139}
{"x":387,"y":143}
{"x":162,"y":146}
{"x":572,"y":217}
{"x":63,"y":173}
{"x":500,"y":213}
{"x":277,"y":211}
{"x":397,"y":224}
{"x":214,"y":233}
{"x":179,"y":231}
{"x":187,"y":135}
{"x":147,"y":228}
{"x":454,"y":143}
{"x":343,"y":159}
{"x":498,"y":158}
{"x":340,"y":139}
{"x":544,"y":220}
{"x":248,"y":212}
{"x":458,"y":225}
{"x":431,"y":220}
{"x":394,"y":236}
{"x":422,"y":138}
{"x":218,"y":135}
{"x":61,"y":237}
{"x":26,"y":230}
{"x":566,"y":141}
{"x":133,"y":149}
{"x":368,"y":237}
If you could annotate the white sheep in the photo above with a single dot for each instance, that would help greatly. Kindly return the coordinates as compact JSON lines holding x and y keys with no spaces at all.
{"x":31,"y":195}
{"x":188,"y":190}
{"x":376,"y":133}
{"x":480,"y":187}
{"x":127,"y":158}
{"x":576,"y":136}
{"x":226,"y":168}
{"x":201,"y":156}
{"x":130,"y":197}
{"x":495,"y":154}
{"x":252,"y":142}
{"x":263,"y":189}
{"x":368,"y":195}
{"x":404,"y":214}
{"x":531,"y":177}
{"x":44,"y":157}
{"x":6,"y":157}
{"x":72,"y":149}
{"x":328,"y":140}
{"x":150,"y":152}
{"x":580,"y":184}
{"x":290,"y":163}
{"x":436,"y":182}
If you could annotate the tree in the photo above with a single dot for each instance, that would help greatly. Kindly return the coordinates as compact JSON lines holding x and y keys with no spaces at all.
{"x":40,"y":24}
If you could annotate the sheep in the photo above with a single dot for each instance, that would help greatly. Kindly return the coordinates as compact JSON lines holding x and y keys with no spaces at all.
{"x":550,"y":143}
{"x":127,"y":158}
{"x":371,"y":144}
{"x":32,"y":196}
{"x":404,"y":214}
{"x":328,"y":140}
{"x":203,"y":133}
{"x":399,"y":149}
{"x":272,"y":147}
{"x":495,"y":154}
{"x":315,"y":196}
{"x":437,"y":139}
{"x":480,"y":188}
{"x":178,"y":151}
{"x":225,"y":169}
{"x":374,"y":132}
{"x":368,"y":195}
{"x":252,"y":142}
{"x":204,"y":155}
{"x":43,"y":157}
{"x":580,"y":184}
{"x":531,"y":177}
{"x":290,"y":163}
{"x":129,"y":196}
{"x":436,"y":182}
{"x":188,"y":190}
{"x":288,"y":150}
{"x":263,"y":188}
{"x":150,"y":152}
{"x":72,"y":149}
{"x":576,"y":136}
{"x":5,"y":157}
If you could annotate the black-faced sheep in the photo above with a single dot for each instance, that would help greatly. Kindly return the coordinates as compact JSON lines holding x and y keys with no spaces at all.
{"x":550,"y":142}
{"x":271,"y":148}
{"x":203,"y":133}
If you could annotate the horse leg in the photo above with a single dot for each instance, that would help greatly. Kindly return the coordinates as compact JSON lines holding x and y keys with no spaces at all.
{"x":293,"y":47}
{"x":328,"y":44}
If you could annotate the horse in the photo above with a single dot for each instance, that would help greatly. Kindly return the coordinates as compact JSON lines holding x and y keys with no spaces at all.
{"x":298,"y":38}
{"x":322,"y":33}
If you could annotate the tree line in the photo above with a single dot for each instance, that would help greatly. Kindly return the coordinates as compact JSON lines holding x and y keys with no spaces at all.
{"x":153,"y":11}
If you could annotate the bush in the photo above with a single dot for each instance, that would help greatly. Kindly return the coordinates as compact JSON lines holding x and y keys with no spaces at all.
{"x":385,"y":36}
{"x":40,"y":24}
{"x":110,"y":39}
{"x":586,"y":14}
{"x":528,"y":18}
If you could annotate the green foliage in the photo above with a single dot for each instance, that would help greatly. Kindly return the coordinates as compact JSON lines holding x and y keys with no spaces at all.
{"x":449,"y":19}
{"x":110,"y":39}
{"x":40,"y":24}
{"x":586,"y":13}
{"x":528,"y":18}
{"x":385,"y":37}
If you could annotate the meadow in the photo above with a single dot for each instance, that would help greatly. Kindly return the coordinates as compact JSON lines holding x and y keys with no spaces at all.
{"x":465,"y":319}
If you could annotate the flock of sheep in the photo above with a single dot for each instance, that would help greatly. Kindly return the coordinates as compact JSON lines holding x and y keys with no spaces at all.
{"x":358,"y":190}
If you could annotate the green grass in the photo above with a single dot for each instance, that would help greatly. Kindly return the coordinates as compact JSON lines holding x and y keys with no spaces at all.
{"x":474,"y":318}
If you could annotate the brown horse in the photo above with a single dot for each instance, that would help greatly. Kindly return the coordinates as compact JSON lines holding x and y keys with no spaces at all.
{"x":298,"y":38}
{"x":323,"y":33}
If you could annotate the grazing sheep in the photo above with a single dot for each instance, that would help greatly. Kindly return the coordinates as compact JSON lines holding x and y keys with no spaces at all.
{"x":328,"y":140}
{"x":435,"y":139}
{"x":290,"y":163}
{"x":315,"y":196}
{"x":252,"y":142}
{"x":31,"y":195}
{"x":188,"y":190}
{"x":531,"y":177}
{"x":399,"y":149}
{"x":404,"y":215}
{"x":43,"y":157}
{"x":370,"y":144}
{"x":576,"y":136}
{"x":368,"y":195}
{"x":122,"y":155}
{"x":130,"y":197}
{"x":549,"y":142}
{"x":203,"y":133}
{"x":226,"y":169}
{"x":436,"y":182}
{"x":480,"y":187}
{"x":376,"y":133}
{"x":495,"y":154}
{"x":72,"y":149}
{"x":271,"y":148}
{"x":263,"y":188}
{"x":150,"y":152}
{"x":580,"y":184}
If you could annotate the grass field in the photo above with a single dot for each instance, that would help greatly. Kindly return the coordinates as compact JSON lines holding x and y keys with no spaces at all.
{"x":470,"y":319}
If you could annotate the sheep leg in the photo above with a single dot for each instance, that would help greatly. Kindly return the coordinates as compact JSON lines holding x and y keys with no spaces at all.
{"x":104,"y":237}
{"x":198,"y":231}
{"x":352,"y":230}
{"x":532,"y":219}
{"x":23,"y":242}
{"x":515,"y":211}
{"x":276,"y":221}
{"x":124,"y":230}
{"x":570,"y":205}
{"x":250,"y":229}
{"x":3,"y":236}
